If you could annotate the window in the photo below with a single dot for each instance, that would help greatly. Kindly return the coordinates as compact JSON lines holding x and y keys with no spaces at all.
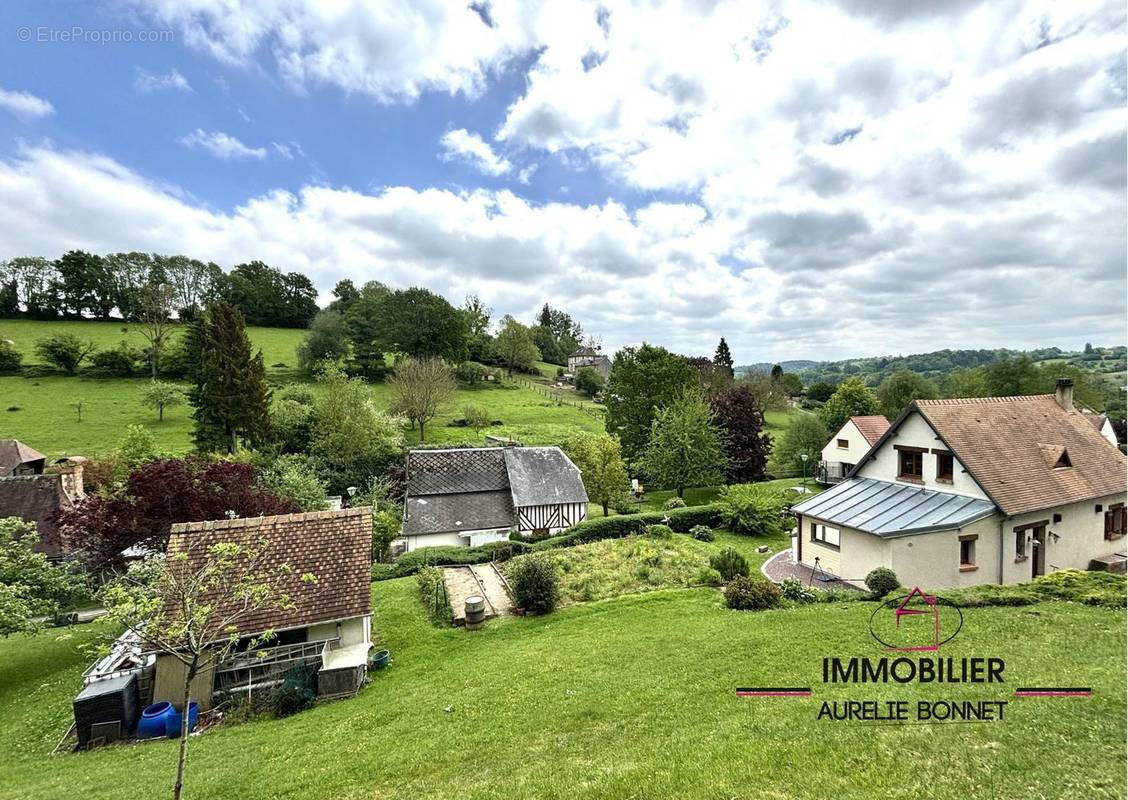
{"x":967,"y":553}
{"x":944,"y":466}
{"x":1020,"y":544}
{"x":910,"y":463}
{"x":844,"y":444}
{"x":824,"y":535}
{"x":1115,"y":521}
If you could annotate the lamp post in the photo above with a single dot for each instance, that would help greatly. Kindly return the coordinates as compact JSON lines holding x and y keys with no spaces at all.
{"x":803,"y":457}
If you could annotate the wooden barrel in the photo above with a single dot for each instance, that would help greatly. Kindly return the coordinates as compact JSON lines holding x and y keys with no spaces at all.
{"x":475,"y":612}
{"x":475,"y":602}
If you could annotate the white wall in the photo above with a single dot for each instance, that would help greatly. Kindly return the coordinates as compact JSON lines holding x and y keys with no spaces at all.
{"x":452,"y":539}
{"x":1080,"y":538}
{"x":355,"y":630}
{"x":846,"y":455}
{"x":914,"y":431}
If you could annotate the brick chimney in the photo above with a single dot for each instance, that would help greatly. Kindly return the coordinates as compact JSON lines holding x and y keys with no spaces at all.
{"x":1064,"y":393}
{"x":70,"y":470}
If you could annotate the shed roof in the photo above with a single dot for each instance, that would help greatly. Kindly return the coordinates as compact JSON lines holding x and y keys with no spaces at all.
{"x":470,"y":469}
{"x":543,"y":476}
{"x":335,"y":546}
{"x":467,"y":511}
{"x":13,"y":452}
{"x":889,"y":509}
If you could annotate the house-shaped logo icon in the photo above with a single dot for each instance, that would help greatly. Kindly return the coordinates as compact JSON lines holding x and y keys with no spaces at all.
{"x":921,"y":614}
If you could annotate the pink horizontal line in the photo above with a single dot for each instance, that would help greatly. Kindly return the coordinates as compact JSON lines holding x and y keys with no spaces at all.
{"x":1053,"y":694}
{"x":773,"y":694}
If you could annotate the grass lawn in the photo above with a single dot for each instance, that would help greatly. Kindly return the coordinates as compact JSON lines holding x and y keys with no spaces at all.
{"x":624,"y":698}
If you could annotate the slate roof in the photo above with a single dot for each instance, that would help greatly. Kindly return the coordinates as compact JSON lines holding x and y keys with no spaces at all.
{"x":583,"y":351}
{"x":13,"y":453}
{"x":479,"y":488}
{"x":336,"y":546}
{"x":871,"y":427}
{"x":36,"y":498}
{"x":1010,"y":446}
{"x":889,"y":509}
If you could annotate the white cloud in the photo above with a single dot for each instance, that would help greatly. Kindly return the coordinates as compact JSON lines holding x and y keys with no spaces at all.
{"x":25,"y":105}
{"x":221,"y":145}
{"x":525,"y":174}
{"x":462,"y":145}
{"x":153,"y":82}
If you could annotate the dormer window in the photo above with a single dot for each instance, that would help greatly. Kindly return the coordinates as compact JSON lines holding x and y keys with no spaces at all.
{"x":1063,"y":460}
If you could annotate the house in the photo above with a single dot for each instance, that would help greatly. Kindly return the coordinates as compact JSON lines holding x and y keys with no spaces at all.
{"x":16,"y":458}
{"x":589,"y":357}
{"x":847,"y":447}
{"x":326,"y":624}
{"x":38,"y":498}
{"x":1103,"y":424}
{"x":980,"y":490}
{"x":473,"y":496}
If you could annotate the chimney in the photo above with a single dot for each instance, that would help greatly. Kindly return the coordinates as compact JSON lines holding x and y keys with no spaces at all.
{"x":70,"y":470}
{"x":1064,"y":393}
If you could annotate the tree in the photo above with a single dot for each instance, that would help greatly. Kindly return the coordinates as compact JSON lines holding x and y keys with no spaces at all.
{"x":599,"y":457}
{"x":345,"y":294}
{"x":363,"y":322}
{"x":723,"y":357}
{"x":589,"y":381}
{"x":419,"y":323}
{"x":194,"y":283}
{"x":805,"y":435}
{"x":36,"y":285}
{"x":737,"y":414}
{"x":851,"y":398}
{"x":136,"y":448}
{"x":128,"y":274}
{"x":65,"y":350}
{"x":965,"y":382}
{"x":160,"y":395}
{"x":515,"y":347}
{"x":420,"y":386}
{"x":477,"y":418}
{"x":83,"y":285}
{"x":294,"y":477}
{"x":771,"y":394}
{"x":155,"y":309}
{"x":327,"y":340}
{"x":31,"y":586}
{"x":556,"y":335}
{"x":820,"y":391}
{"x":685,"y":447}
{"x":230,"y":396}
{"x":642,"y":380}
{"x":172,"y":607}
{"x":1011,"y":376}
{"x":901,"y":388}
{"x":477,"y":316}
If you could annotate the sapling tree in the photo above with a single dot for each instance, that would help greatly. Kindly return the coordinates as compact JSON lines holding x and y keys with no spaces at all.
{"x":685,"y":446}
{"x":192,"y":605}
{"x":600,"y":461}
{"x":159,"y":395}
{"x":420,"y":387}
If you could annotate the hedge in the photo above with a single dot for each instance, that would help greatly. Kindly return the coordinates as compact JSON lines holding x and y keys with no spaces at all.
{"x":681,"y":520}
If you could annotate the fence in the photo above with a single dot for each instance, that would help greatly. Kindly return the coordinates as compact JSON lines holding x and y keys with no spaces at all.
{"x":561,"y":399}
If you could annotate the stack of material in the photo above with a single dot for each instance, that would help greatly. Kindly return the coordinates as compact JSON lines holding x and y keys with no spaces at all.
{"x":113,"y":700}
{"x":475,"y":612}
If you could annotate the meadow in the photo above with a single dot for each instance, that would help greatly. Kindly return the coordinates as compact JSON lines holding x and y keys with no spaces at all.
{"x":631,"y":697}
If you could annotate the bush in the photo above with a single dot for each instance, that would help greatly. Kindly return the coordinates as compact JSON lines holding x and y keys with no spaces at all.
{"x":751,"y":509}
{"x":793,"y":590}
{"x":64,"y":350}
{"x":702,"y":533}
{"x":452,"y":555}
{"x":122,"y":361}
{"x":622,"y":525}
{"x":750,"y":594}
{"x":10,"y":357}
{"x":385,"y":572}
{"x":730,"y":563}
{"x":432,"y":590}
{"x":1090,"y":588}
{"x":659,"y":531}
{"x":881,"y":581}
{"x":707,"y":576}
{"x":673,"y":503}
{"x":297,"y":691}
{"x":535,"y":584}
{"x":589,"y":381}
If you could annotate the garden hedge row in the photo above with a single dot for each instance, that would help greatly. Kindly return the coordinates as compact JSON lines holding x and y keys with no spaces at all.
{"x":410,"y":563}
{"x":681,"y":520}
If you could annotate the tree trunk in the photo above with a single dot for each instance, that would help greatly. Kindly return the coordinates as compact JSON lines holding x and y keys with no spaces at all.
{"x":160,"y":413}
{"x":604,"y":508}
{"x":420,"y":430}
{"x":681,"y":491}
{"x":182,"y":760}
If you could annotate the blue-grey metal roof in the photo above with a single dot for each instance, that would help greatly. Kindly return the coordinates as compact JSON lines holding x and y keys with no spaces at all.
{"x":543,"y":476}
{"x":893,"y":509}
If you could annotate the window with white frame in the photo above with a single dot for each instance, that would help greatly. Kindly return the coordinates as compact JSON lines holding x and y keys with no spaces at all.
{"x":824,"y":534}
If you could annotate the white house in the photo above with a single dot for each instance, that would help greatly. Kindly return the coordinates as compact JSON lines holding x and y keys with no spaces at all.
{"x":472,"y":496}
{"x":980,"y":490}
{"x":848,"y":446}
{"x":1103,"y":424}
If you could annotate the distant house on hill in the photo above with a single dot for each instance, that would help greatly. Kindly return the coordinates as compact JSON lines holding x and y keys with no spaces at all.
{"x":35,"y":497}
{"x":327,"y":624}
{"x":473,"y":496}
{"x":16,"y":458}
{"x":847,"y":447}
{"x":979,"y":490}
{"x":589,"y":357}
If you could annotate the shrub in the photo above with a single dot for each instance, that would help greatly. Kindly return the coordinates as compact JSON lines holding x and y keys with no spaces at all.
{"x":449,"y":556}
{"x":702,"y":533}
{"x":589,"y":381}
{"x":748,"y":508}
{"x":793,"y":590}
{"x":535,"y":584}
{"x":621,"y":525}
{"x":673,"y":503}
{"x":385,"y":572}
{"x":10,"y":357}
{"x":881,"y":581}
{"x":122,"y":361}
{"x":659,"y":531}
{"x":1078,"y":586}
{"x":432,"y":590}
{"x":750,"y":594}
{"x":729,"y":563}
{"x":707,"y":576}
{"x":64,"y":350}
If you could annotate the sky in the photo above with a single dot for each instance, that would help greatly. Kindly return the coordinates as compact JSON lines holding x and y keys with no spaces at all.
{"x":807,"y":179}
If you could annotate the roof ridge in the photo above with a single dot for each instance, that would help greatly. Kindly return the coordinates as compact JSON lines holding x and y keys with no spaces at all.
{"x":264,"y":519}
{"x":952,"y":401}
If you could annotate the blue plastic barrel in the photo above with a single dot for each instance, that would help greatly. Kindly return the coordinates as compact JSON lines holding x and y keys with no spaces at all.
{"x":172,"y":721}
{"x":152,"y":724}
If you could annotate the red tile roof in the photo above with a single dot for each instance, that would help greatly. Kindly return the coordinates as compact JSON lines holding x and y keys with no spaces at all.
{"x":335,"y":546}
{"x":872,"y":427}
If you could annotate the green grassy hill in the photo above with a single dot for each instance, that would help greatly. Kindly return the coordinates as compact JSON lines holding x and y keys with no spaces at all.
{"x":626,"y":698}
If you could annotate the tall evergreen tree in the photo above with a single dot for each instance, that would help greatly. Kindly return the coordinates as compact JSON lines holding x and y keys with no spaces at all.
{"x":230,"y":395}
{"x":723,"y":357}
